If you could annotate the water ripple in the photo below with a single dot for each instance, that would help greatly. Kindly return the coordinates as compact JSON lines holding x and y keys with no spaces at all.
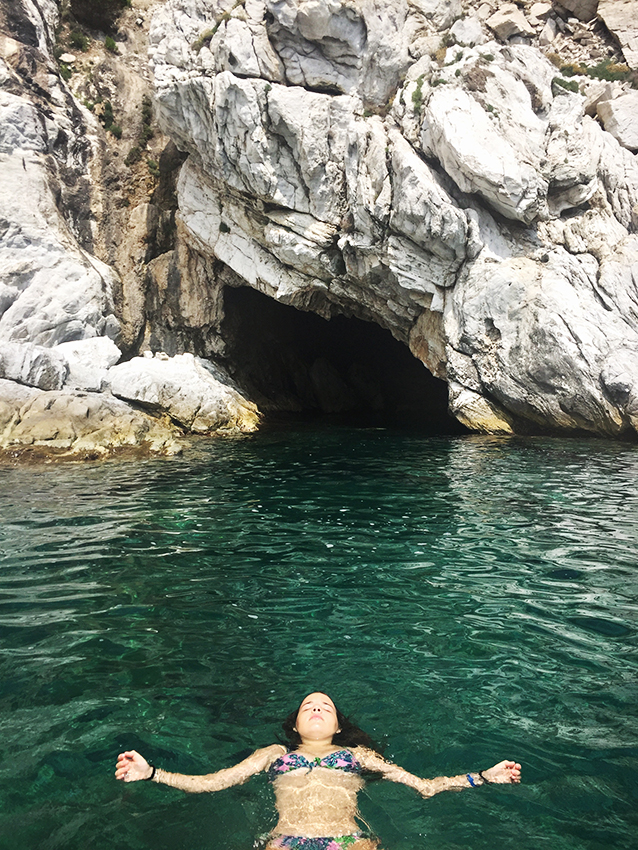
{"x":466,"y":598}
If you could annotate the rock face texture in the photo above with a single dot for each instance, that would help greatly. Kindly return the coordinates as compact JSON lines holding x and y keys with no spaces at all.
{"x":466,"y":178}
{"x":345,"y":158}
{"x":67,"y":315}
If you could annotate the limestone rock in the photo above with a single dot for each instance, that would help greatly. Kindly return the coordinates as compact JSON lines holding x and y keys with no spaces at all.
{"x":193,"y":392}
{"x":12,"y":398}
{"x":32,"y":365}
{"x":621,"y":18}
{"x":509,"y":21}
{"x":340,"y":160}
{"x":471,"y":148}
{"x":308,"y":195}
{"x":620,"y":118}
{"x":88,"y":362}
{"x":539,"y":338}
{"x":468,"y":31}
{"x":441,"y":13}
{"x":584,"y":10}
{"x":539,"y":12}
{"x":65,"y":424}
{"x":52,"y":289}
{"x":477,"y":412}
{"x":548,"y":33}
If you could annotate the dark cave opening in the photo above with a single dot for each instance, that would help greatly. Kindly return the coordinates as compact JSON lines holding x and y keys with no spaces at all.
{"x":296,"y":364}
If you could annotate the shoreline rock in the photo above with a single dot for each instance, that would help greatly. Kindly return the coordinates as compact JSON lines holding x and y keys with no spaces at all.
{"x":424,"y":166}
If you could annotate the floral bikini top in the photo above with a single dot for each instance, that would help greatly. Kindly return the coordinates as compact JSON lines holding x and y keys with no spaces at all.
{"x":341,"y":760}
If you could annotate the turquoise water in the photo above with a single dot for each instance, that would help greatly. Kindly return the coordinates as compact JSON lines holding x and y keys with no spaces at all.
{"x":466,"y":599}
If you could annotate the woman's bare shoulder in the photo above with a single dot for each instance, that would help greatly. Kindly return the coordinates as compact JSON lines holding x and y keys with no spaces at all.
{"x":272,"y":751}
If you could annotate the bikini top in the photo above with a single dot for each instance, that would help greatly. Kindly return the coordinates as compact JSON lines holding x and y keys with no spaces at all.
{"x":341,"y":760}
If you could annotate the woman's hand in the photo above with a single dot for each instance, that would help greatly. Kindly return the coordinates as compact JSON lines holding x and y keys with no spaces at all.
{"x":503,"y":772}
{"x":131,"y":767}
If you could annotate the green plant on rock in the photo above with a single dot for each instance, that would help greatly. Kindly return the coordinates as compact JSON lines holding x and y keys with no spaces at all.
{"x":66,"y":72}
{"x":79,"y":41}
{"x":110,"y":45}
{"x":558,"y":85}
{"x":116,"y":130}
{"x":572,"y":69}
{"x":133,"y":156}
{"x":609,"y":70}
{"x":153,"y":167}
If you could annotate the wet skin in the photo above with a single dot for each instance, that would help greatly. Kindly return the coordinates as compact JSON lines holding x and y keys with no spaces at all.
{"x":318,"y":802}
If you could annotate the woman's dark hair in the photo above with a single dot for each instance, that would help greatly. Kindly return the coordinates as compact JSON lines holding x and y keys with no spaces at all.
{"x":349,"y":735}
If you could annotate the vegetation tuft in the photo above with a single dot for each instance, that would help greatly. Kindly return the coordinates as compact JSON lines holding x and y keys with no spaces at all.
{"x":417,"y":94}
{"x":110,"y":45}
{"x":559,"y":83}
{"x":108,"y":120}
{"x":605,"y":70}
{"x":79,"y":41}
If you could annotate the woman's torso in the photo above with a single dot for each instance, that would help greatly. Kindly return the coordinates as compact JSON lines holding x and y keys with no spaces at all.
{"x":316,"y":796}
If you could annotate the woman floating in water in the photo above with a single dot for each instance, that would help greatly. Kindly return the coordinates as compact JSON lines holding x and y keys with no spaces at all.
{"x":316,"y":778}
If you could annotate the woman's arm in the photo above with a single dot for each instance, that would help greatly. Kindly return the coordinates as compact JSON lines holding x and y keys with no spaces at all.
{"x":503,"y":772}
{"x":132,"y":767}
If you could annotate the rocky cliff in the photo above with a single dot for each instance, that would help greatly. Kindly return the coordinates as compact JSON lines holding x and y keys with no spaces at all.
{"x":462,"y":176}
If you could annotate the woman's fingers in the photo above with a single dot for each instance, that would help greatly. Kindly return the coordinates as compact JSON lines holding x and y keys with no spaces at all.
{"x":504,"y":771}
{"x":131,"y":766}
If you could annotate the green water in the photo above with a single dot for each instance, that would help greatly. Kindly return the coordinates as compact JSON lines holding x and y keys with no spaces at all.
{"x":466,"y":599}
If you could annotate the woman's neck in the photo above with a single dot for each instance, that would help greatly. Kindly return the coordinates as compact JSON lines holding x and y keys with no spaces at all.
{"x":321,"y":747}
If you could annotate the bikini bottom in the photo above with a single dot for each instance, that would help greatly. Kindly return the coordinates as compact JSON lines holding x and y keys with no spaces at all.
{"x":300,"y":842}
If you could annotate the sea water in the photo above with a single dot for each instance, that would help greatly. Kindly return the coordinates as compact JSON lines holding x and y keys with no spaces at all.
{"x":464,"y":599}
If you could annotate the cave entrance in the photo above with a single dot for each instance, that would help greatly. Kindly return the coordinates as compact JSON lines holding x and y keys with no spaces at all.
{"x":297,"y":364}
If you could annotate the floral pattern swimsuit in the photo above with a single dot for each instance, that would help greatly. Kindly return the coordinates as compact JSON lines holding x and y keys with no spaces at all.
{"x":341,"y":760}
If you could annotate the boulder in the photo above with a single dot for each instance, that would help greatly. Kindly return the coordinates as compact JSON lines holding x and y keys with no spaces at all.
{"x":539,"y":12}
{"x":620,"y":118}
{"x":584,"y":10}
{"x":197,"y":395}
{"x":88,"y":361}
{"x":32,"y":365}
{"x":509,"y":21}
{"x":621,"y":18}
{"x":86,"y":425}
{"x":468,"y":31}
{"x":440,"y":13}
{"x":481,"y":159}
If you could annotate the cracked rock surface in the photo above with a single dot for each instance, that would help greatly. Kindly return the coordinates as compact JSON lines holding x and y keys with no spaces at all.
{"x":360,"y":158}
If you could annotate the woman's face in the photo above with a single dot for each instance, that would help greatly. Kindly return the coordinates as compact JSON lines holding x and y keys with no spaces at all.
{"x":317,"y":717}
